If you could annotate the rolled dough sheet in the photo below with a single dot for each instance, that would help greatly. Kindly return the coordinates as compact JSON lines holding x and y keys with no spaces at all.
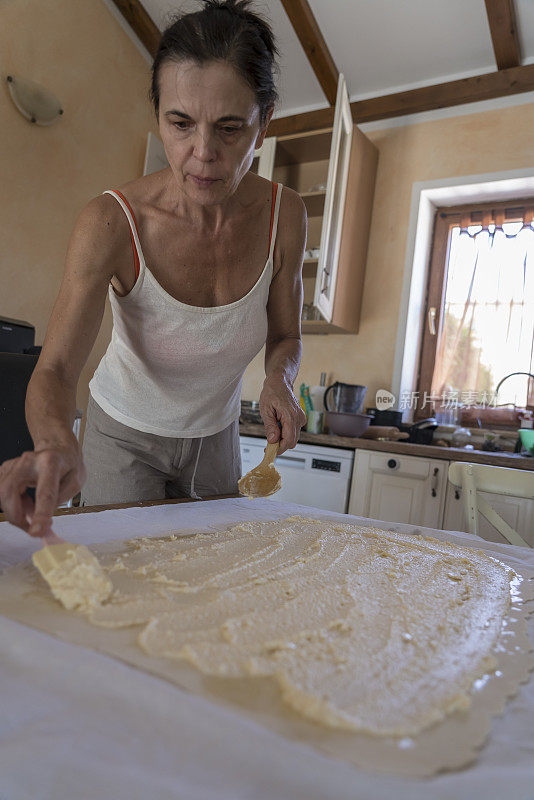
{"x":387,"y":650}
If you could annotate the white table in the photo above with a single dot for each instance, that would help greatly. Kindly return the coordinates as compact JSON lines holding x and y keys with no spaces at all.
{"x":79,"y":725}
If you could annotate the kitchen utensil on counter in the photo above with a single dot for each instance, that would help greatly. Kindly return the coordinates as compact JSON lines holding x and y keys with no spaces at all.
{"x":317,"y":393}
{"x":387,"y":432}
{"x":263,"y":480}
{"x":422,"y":431}
{"x":72,"y":571}
{"x":460,"y":437}
{"x":387,"y":417}
{"x":315,"y":422}
{"x":527,"y":439}
{"x":447,"y":416}
{"x":305,"y":394}
{"x":345,"y":398}
{"x":346,"y":424}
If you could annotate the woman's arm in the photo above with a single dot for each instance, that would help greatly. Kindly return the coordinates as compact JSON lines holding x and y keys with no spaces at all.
{"x":55,"y":466}
{"x":278,"y":403}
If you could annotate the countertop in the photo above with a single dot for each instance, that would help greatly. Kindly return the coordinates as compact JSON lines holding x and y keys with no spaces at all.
{"x":513,"y":460}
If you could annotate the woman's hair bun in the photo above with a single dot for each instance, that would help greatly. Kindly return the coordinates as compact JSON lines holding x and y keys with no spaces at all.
{"x":223,"y":30}
{"x":228,"y":5}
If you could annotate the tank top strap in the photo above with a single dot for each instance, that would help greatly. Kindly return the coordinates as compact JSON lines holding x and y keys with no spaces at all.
{"x":275,"y":211}
{"x":139,"y":260}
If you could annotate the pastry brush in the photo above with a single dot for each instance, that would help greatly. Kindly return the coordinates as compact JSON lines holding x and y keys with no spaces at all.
{"x":72,"y":572}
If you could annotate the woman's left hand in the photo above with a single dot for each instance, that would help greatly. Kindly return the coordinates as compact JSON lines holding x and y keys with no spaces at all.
{"x":278,"y":404}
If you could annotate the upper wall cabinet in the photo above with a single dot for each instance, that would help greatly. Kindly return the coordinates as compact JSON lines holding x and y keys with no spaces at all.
{"x":263,"y":163}
{"x":336,"y":190}
{"x":334,"y":171}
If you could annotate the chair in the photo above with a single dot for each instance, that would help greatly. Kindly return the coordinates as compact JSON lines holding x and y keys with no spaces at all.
{"x":473,"y":478}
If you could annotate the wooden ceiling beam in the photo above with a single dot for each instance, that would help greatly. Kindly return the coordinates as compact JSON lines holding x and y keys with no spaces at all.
{"x":444,"y":95}
{"x":427,"y":98}
{"x":141,"y":23}
{"x":503,"y":28}
{"x":305,"y":26}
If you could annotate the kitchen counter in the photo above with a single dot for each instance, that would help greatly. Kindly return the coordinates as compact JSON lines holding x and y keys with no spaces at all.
{"x":513,"y":460}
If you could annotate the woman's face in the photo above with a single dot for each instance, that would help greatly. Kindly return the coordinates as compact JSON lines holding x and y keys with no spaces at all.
{"x":209,"y":121}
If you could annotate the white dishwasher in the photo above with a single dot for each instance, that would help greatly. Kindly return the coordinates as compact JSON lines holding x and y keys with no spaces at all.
{"x":312,"y":475}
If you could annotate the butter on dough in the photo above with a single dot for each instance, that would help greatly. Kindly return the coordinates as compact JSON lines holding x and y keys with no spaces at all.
{"x":73,"y":574}
{"x":361,"y":629}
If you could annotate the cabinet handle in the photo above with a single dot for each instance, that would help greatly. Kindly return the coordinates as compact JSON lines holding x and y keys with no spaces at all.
{"x":456,"y":494}
{"x":326,"y":281}
{"x":435,"y":474}
{"x":393,"y":463}
{"x":432,"y":321}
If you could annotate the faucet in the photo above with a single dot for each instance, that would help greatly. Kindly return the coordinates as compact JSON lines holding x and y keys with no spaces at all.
{"x":509,"y":376}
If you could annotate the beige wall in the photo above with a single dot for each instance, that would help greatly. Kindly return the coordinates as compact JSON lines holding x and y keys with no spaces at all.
{"x":76,"y":49}
{"x":473,"y":144}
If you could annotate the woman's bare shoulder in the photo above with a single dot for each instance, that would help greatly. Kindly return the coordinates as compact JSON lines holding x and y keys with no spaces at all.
{"x":293,"y":217}
{"x":142,"y":189}
{"x":292,"y":204}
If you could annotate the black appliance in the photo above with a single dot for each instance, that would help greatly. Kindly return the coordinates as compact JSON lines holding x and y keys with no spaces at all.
{"x":387,"y":417}
{"x":16,"y":336}
{"x":15,"y":373}
{"x":420,"y":432}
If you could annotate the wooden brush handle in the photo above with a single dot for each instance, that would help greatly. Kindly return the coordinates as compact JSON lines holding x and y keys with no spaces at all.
{"x":271,"y":451}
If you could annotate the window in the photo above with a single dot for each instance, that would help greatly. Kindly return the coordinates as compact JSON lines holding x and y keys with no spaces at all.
{"x":480,"y":314}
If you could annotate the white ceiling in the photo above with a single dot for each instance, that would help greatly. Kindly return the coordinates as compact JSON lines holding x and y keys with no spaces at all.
{"x":381,"y":46}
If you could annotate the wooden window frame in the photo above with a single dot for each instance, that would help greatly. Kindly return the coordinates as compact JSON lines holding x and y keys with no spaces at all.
{"x":447,"y":218}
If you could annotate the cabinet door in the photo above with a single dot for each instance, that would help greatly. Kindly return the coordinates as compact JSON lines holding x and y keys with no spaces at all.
{"x":336,"y":187}
{"x":518,"y":512}
{"x":395,"y":488}
{"x":263,"y":162}
{"x":155,"y":156}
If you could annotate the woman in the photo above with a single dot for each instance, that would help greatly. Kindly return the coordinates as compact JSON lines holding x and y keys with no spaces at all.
{"x":202,"y":261}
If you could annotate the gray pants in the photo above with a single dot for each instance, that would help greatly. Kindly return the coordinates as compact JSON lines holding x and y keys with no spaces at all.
{"x":125,"y":465}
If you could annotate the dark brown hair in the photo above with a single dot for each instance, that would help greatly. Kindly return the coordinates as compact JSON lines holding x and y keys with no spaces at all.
{"x":224,"y":30}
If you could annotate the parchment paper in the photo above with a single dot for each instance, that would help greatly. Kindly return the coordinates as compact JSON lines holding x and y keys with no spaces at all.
{"x":448,"y":745}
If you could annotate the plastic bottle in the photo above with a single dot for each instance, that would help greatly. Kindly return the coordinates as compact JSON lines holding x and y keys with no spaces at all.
{"x":317,"y":393}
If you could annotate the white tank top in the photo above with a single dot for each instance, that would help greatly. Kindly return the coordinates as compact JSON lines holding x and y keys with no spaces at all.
{"x":173,"y":369}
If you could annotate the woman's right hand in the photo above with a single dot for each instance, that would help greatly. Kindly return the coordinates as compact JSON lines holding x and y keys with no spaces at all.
{"x":56,"y":472}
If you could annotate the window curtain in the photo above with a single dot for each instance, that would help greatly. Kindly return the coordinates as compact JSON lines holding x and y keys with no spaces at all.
{"x":487,"y":322}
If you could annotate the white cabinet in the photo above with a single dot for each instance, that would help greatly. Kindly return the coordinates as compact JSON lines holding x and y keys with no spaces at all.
{"x":518,"y":512}
{"x":334,"y":204}
{"x":334,"y":171}
{"x":155,"y":156}
{"x":398,"y":488}
{"x":263,"y":162}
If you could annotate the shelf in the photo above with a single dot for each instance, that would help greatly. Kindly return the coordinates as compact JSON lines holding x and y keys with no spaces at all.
{"x":296,"y":149}
{"x":320,"y":326}
{"x":314,"y":202}
{"x":309,"y":267}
